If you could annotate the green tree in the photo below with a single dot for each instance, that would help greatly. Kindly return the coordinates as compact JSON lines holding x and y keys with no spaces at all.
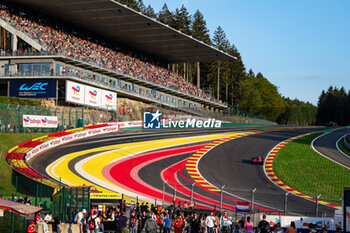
{"x":165,"y":16}
{"x":199,"y":28}
{"x":149,"y":11}
{"x":182,"y":20}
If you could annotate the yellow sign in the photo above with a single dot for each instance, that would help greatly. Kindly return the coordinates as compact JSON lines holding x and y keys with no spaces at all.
{"x":106,"y":196}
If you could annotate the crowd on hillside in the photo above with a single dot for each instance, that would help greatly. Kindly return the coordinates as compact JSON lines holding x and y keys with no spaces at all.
{"x":58,"y":41}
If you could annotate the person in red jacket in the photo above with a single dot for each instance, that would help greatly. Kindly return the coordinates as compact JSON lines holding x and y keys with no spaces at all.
{"x":178,"y":225}
{"x":31,"y":227}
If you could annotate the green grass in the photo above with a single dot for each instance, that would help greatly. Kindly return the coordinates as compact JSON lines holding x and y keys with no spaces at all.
{"x":7,"y":141}
{"x":342,"y":147}
{"x":303,"y":169}
{"x":19,"y":101}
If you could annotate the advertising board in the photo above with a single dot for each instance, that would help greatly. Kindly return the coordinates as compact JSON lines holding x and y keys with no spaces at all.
{"x":33,"y":88}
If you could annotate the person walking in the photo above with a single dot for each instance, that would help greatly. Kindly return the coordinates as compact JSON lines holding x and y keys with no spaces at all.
{"x":133,"y":223}
{"x":94,"y":222}
{"x":248,"y":225}
{"x":178,"y":224}
{"x":292,"y":228}
{"x":209,"y":222}
{"x":195,"y":224}
{"x":151,"y":225}
{"x":167,"y":223}
{"x":263,"y":225}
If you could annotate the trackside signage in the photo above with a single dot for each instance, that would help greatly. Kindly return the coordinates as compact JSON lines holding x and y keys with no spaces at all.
{"x":153,"y":120}
{"x":38,"y":121}
{"x":91,"y":96}
{"x":69,"y":138}
{"x":33,"y":88}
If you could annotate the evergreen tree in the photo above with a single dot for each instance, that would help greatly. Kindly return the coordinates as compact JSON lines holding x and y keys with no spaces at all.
{"x":141,"y":6}
{"x":149,"y":11}
{"x":165,"y":16}
{"x":182,"y":20}
{"x":199,"y":28}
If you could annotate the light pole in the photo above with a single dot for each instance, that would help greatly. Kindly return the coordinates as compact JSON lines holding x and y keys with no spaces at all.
{"x":317,"y":199}
{"x":252,"y":202}
{"x":164,"y":192}
{"x":285,"y":203}
{"x":222,"y":192}
{"x":191,"y":198}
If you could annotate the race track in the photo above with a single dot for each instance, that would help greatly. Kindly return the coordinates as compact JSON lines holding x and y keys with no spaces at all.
{"x":137,"y":164}
{"x":240,"y":177}
{"x":326,"y":145}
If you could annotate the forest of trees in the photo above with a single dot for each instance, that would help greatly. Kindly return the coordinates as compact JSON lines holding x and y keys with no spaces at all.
{"x":333,"y":105}
{"x":236,"y":86}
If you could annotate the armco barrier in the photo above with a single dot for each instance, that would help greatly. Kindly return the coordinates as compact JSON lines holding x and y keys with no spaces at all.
{"x":18,"y":156}
{"x":347,"y":141}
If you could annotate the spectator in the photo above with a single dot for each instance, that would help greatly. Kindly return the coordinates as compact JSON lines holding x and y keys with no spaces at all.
{"x":209,"y":222}
{"x":80,"y":219}
{"x":31,"y":227}
{"x":40,"y":221}
{"x":151,"y":225}
{"x":292,"y":228}
{"x":262,"y":225}
{"x":178,"y":224}
{"x":167,"y":223}
{"x":248,"y":225}
{"x":94,"y":222}
{"x":195,"y":224}
{"x":57,"y":41}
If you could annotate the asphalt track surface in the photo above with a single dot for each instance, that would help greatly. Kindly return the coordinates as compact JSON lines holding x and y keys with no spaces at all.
{"x":232,"y":169}
{"x":326,"y":145}
{"x":240,"y":177}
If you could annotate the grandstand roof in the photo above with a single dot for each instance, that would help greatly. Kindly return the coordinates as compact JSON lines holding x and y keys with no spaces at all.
{"x":116,"y":21}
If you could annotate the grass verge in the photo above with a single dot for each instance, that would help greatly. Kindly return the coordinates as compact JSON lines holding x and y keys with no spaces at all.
{"x":19,"y":101}
{"x":342,"y":147}
{"x":7,"y":141}
{"x":303,"y":169}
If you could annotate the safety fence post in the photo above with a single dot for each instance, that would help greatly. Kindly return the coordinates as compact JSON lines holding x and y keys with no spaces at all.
{"x":285,"y":203}
{"x":192,"y":186}
{"x":221,"y":195}
{"x":163,"y":192}
{"x":317,"y":199}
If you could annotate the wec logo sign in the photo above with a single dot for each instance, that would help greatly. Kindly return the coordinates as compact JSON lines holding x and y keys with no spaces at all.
{"x":34,"y":87}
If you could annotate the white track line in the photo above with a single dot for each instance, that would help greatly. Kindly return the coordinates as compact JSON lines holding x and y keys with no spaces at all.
{"x":325,"y":156}
{"x":336,"y":144}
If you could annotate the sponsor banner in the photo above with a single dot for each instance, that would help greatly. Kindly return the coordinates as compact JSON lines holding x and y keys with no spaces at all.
{"x":304,"y":222}
{"x":40,"y":121}
{"x":75,"y":92}
{"x":68,"y":138}
{"x":106,"y":196}
{"x":130,"y":124}
{"x":92,"y":96}
{"x":109,"y":100}
{"x":33,"y":89}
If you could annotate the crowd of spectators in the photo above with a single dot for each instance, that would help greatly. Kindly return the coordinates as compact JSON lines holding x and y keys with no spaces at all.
{"x":58,"y":41}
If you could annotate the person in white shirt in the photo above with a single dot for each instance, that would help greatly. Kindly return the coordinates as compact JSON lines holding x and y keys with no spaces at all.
{"x":48,"y":218}
{"x":79,"y":219}
{"x":209,"y":221}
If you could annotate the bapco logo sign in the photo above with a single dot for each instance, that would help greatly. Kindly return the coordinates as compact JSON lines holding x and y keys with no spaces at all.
{"x":151,"y":120}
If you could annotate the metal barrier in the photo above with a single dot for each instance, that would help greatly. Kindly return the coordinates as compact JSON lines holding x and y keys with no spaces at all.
{"x":347,"y":141}
{"x":11,"y":117}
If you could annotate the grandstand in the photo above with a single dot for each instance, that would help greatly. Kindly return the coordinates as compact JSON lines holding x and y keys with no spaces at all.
{"x":101,"y":44}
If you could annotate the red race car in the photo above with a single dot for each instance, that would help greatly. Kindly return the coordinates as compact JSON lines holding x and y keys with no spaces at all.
{"x":257,"y":160}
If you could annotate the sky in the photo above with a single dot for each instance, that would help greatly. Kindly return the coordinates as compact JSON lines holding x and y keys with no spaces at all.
{"x":301,"y":46}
